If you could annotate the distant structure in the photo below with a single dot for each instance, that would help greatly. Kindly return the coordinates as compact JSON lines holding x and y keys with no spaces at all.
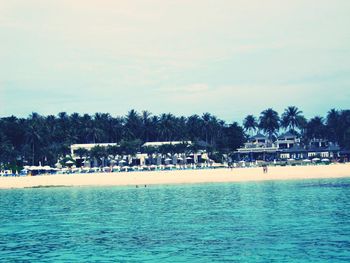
{"x":141,"y":158}
{"x":287,"y":146}
{"x":87,"y":146}
{"x":158,"y":144}
{"x":258,"y":147}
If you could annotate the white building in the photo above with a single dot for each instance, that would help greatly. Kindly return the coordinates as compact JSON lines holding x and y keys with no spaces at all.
{"x":88,"y":146}
{"x":158,"y":144}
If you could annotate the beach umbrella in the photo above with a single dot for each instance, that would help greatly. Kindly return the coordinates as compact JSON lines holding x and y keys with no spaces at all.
{"x":306,"y":161}
{"x":316,"y":159}
{"x":167,"y":160}
{"x":325,"y":160}
{"x":188,"y":158}
{"x":69,"y":162}
{"x":179,"y":158}
{"x":291,"y":160}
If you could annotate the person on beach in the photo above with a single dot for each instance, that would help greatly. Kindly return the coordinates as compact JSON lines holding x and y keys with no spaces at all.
{"x":264,"y":168}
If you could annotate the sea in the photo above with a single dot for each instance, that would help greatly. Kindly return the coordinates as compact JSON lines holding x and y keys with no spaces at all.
{"x":276,"y":221}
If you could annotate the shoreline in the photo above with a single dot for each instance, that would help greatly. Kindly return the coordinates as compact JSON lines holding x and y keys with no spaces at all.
{"x":222,"y":175}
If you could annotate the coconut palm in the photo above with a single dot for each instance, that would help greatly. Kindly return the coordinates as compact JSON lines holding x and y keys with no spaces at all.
{"x":133,"y":125}
{"x":167,"y":126}
{"x":250,"y":124}
{"x":333,"y":125}
{"x":316,"y":129}
{"x":194,"y":128}
{"x":206,"y":119}
{"x":292,"y":119}
{"x":147,"y":125}
{"x":269,"y":122}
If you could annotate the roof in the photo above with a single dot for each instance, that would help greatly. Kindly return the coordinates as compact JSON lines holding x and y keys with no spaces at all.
{"x":287,"y":134}
{"x":157,"y":144}
{"x":259,"y":136}
{"x":91,"y":145}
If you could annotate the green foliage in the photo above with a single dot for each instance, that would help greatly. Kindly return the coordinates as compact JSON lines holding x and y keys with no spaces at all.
{"x":250,"y":124}
{"x":45,"y":139}
{"x":98,"y":152}
{"x":81,"y":152}
{"x":114,"y":150}
{"x":130,"y":146}
{"x":293,"y":119}
{"x":269,"y":122}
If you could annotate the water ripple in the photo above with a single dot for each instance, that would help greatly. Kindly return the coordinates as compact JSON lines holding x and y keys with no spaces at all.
{"x":299,"y":221}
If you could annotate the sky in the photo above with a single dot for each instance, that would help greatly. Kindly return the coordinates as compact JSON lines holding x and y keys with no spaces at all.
{"x":230,"y":58}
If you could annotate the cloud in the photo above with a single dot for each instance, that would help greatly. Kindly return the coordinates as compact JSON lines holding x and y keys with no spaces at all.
{"x":227,"y":56}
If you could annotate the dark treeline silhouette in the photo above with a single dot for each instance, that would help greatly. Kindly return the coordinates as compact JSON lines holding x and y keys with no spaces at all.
{"x":46,"y":138}
{"x":334,"y":127}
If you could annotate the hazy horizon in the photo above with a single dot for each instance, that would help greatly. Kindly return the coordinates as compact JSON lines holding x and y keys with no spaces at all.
{"x":229,"y":58}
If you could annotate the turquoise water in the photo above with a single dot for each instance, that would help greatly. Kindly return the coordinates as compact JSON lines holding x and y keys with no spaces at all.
{"x":294,"y":221}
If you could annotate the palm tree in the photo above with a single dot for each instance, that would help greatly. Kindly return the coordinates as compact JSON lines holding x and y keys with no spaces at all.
{"x":206,"y":118}
{"x":292,"y":118}
{"x":33,"y":134}
{"x":81,"y":152}
{"x":269,"y":122}
{"x":316,"y":129}
{"x":99,"y":153}
{"x":250,"y":124}
{"x":215,"y":129}
{"x":194,"y":126}
{"x":133,"y":125}
{"x":117,"y":129}
{"x":147,"y":125}
{"x":102,"y":122}
{"x":167,"y":126}
{"x":333,"y":124}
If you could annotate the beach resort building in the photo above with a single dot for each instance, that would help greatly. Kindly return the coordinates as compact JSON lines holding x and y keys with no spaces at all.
{"x":154,"y":157}
{"x":87,"y":146}
{"x":158,"y":144}
{"x":258,"y":147}
{"x":287,"y":147}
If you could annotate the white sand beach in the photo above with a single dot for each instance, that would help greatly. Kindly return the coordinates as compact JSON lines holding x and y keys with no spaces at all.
{"x":179,"y":177}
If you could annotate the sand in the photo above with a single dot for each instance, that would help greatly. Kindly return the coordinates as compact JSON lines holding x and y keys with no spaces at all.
{"x":179,"y":177}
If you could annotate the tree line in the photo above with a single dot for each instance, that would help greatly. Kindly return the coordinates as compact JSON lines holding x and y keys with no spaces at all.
{"x":44,"y":139}
{"x":335,"y":127}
